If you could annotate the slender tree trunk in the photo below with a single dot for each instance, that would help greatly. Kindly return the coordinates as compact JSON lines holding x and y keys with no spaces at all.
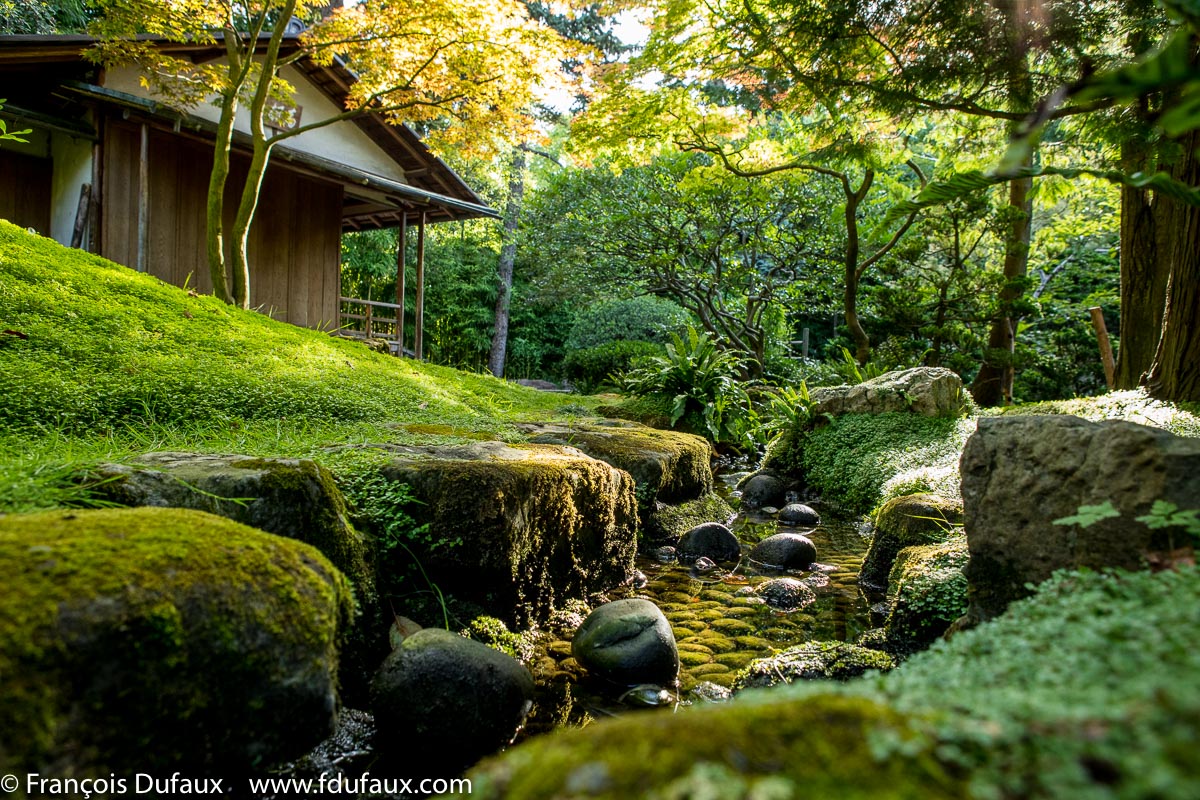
{"x":508,"y":256}
{"x":240,"y":233}
{"x":1143,"y":282}
{"x":214,"y":211}
{"x":1175,"y":373}
{"x":862,"y":342}
{"x":993,"y":385}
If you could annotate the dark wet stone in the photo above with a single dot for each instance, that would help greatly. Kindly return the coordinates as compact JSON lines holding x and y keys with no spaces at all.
{"x":628,"y":642}
{"x":665,"y":554}
{"x":786,"y":551}
{"x":441,"y":699}
{"x":712,"y":540}
{"x":762,"y":490}
{"x":799,"y":514}
{"x":786,"y":594}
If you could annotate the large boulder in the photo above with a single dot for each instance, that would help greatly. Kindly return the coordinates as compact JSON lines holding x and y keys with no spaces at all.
{"x":1020,"y":473}
{"x":441,"y":702}
{"x":928,"y":593}
{"x":292,"y":497}
{"x":628,"y":642}
{"x":710,"y":540}
{"x":157,"y":639}
{"x":519,"y":529}
{"x":812,"y":661}
{"x":929,"y":391}
{"x":907,"y":521}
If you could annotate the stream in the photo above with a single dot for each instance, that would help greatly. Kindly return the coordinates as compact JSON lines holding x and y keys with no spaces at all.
{"x":720,"y":626}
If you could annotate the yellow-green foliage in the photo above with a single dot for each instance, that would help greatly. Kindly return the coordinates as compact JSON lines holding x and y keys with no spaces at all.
{"x":159,"y":637}
{"x":929,"y":592}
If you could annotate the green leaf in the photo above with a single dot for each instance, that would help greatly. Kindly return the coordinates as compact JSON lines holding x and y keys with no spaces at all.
{"x":1090,"y":515}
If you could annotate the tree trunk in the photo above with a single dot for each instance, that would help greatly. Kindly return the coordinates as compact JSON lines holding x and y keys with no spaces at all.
{"x":214,"y":210}
{"x":1143,"y":282}
{"x":240,"y":233}
{"x":508,"y":255}
{"x":862,"y":342}
{"x":993,"y":385}
{"x":1175,"y":373}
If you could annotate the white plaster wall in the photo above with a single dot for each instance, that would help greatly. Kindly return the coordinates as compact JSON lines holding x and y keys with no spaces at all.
{"x":72,"y":168}
{"x":342,"y":141}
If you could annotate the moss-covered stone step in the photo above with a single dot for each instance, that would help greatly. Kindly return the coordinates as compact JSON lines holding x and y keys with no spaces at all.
{"x":148,"y":639}
{"x":518,"y":529}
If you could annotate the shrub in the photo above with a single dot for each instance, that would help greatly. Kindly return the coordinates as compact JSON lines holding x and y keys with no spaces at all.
{"x":699,"y":378}
{"x":592,"y":368}
{"x":645,"y":318}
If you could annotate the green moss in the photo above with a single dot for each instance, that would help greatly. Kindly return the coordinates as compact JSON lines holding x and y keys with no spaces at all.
{"x":130,"y":638}
{"x":813,"y":661}
{"x":672,"y":521}
{"x":536,"y":526}
{"x":731,"y":751}
{"x":851,"y":459}
{"x":906,"y":522}
{"x":928,"y":593}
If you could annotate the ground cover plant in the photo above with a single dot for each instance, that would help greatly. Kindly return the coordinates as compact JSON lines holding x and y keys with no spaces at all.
{"x":99,"y":362}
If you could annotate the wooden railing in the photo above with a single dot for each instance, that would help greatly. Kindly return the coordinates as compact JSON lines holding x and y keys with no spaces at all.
{"x":367,"y":319}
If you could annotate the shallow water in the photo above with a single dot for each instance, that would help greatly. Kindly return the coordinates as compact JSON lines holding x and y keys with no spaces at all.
{"x":720,"y":624}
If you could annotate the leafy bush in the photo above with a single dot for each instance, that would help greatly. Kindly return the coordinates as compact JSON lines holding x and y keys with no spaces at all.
{"x":699,"y":378}
{"x":592,"y":368}
{"x":645,"y":318}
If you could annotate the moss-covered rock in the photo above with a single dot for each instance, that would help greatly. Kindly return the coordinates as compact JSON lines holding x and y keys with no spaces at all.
{"x":519,"y":530}
{"x":928,"y":592}
{"x":812,"y":661}
{"x":662,"y":522}
{"x":155,"y":638}
{"x":669,"y":466}
{"x":291,"y":497}
{"x":819,"y":748}
{"x":928,"y":391}
{"x":902,"y":522}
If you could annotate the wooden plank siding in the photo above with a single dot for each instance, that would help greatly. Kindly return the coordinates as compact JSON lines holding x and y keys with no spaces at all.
{"x":295,"y":241}
{"x":25,"y":190}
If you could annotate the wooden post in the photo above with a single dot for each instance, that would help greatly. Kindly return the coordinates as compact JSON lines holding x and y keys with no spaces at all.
{"x":82,"y":212}
{"x":400,"y":279}
{"x":419,"y":343}
{"x":804,"y":344}
{"x":143,"y":213}
{"x":369,"y":332}
{"x":1106,"y":353}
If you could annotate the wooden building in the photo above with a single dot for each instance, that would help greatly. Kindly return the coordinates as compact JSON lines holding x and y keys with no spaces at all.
{"x":110,"y":169}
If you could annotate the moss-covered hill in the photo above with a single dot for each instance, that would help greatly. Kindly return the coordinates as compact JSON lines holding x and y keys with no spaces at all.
{"x":98,"y":361}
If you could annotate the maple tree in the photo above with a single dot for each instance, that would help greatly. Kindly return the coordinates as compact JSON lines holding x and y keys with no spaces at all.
{"x":466,"y":69}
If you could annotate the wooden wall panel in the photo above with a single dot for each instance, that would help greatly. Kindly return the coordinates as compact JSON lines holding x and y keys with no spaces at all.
{"x":25,"y":190}
{"x":119,"y":194}
{"x":295,"y":242}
